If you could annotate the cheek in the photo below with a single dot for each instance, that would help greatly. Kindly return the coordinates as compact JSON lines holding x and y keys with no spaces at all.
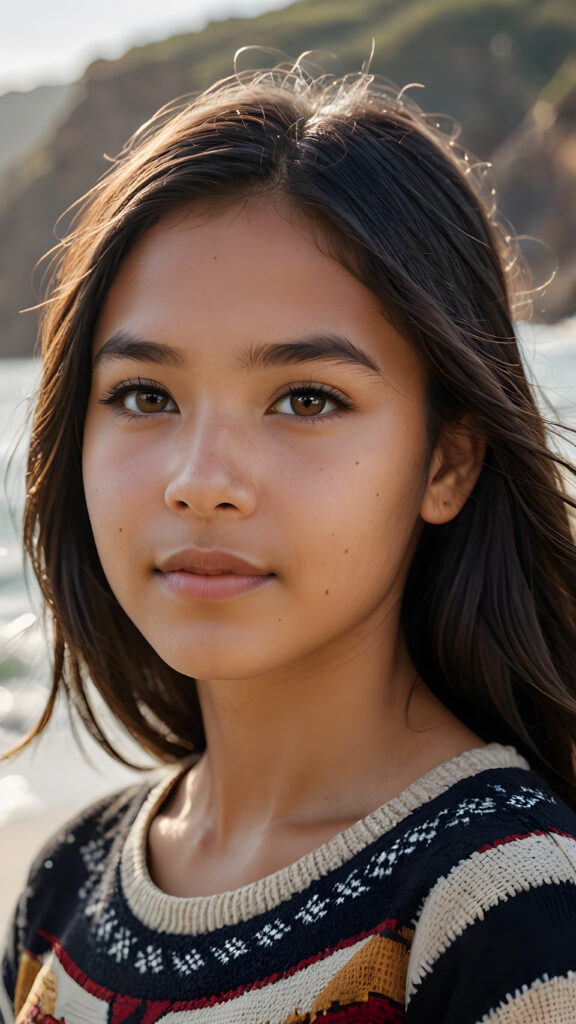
{"x":355,"y":513}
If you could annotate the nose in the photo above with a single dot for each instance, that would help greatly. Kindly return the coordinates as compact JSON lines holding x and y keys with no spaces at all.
{"x":210,"y":472}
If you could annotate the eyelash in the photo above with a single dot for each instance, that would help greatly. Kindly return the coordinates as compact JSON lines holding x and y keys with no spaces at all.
{"x":115,"y":395}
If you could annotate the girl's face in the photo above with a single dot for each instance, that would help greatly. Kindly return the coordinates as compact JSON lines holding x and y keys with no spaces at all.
{"x":249,"y":398}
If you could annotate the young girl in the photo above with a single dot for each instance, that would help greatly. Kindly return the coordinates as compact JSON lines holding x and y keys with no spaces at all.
{"x":292,"y":508}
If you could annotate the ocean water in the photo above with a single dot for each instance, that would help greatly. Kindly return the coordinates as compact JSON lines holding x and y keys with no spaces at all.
{"x":55,"y":772}
{"x":22,"y":655}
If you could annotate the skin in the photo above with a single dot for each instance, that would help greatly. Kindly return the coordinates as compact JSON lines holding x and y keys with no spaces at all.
{"x":304,"y":684}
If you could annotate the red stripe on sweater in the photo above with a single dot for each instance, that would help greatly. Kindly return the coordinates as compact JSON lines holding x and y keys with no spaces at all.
{"x":513,"y":839}
{"x":157,"y":1007}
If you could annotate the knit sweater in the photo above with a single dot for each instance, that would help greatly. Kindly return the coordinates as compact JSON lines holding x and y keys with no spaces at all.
{"x":453,"y":903}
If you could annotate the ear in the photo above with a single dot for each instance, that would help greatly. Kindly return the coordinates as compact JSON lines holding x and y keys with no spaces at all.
{"x":454,"y":469}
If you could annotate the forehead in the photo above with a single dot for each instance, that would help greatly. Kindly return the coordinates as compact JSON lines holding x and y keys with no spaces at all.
{"x":252,"y":247}
{"x":250,"y":273}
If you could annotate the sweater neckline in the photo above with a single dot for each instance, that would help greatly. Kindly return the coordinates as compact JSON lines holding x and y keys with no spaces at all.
{"x":195,"y":915}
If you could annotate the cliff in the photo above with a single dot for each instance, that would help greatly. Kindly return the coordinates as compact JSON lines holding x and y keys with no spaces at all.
{"x":503,"y":69}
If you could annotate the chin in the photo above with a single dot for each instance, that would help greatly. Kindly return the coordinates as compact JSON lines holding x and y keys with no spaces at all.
{"x":214,"y":665}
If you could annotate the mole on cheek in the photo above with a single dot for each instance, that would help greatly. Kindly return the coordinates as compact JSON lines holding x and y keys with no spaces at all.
{"x":326,"y":592}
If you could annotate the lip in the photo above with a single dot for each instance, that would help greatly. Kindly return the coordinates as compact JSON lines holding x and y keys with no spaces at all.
{"x":200,"y":574}
{"x":209,"y":562}
{"x":222,"y":587}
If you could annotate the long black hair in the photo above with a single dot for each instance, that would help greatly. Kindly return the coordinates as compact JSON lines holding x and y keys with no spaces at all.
{"x":489,"y":610}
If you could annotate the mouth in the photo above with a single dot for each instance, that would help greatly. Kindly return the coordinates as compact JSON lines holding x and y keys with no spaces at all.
{"x":188,"y":585}
{"x":219,"y":572}
{"x":209,"y":562}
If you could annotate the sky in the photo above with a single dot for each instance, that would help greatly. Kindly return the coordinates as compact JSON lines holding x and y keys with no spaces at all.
{"x":51,"y":41}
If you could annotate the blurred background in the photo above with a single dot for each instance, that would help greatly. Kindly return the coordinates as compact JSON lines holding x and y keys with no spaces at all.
{"x":77,"y":80}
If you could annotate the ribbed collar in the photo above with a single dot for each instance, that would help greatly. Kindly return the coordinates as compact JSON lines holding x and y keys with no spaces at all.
{"x":200,"y":914}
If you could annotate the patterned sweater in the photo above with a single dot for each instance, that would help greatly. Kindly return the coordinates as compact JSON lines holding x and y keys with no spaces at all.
{"x":454,"y":903}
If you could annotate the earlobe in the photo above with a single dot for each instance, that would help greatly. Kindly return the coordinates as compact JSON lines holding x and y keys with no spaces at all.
{"x":454,"y":469}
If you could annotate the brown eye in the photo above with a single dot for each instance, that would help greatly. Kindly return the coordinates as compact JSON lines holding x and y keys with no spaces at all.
{"x":307,"y":405}
{"x":147,"y":402}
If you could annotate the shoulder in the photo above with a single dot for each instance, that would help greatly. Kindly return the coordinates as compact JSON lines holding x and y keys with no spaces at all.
{"x":499,"y":919}
{"x":486,"y":797}
{"x":76,"y":866}
{"x":97,"y":825}
{"x":79,"y":854}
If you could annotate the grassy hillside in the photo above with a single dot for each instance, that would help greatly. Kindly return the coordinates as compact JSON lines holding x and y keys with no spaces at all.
{"x":488,"y":63}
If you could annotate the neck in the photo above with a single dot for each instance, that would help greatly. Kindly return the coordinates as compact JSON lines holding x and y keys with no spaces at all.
{"x":315,"y":745}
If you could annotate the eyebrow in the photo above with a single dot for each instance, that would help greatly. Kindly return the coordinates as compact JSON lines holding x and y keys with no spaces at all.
{"x":328,"y":347}
{"x":123,"y":345}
